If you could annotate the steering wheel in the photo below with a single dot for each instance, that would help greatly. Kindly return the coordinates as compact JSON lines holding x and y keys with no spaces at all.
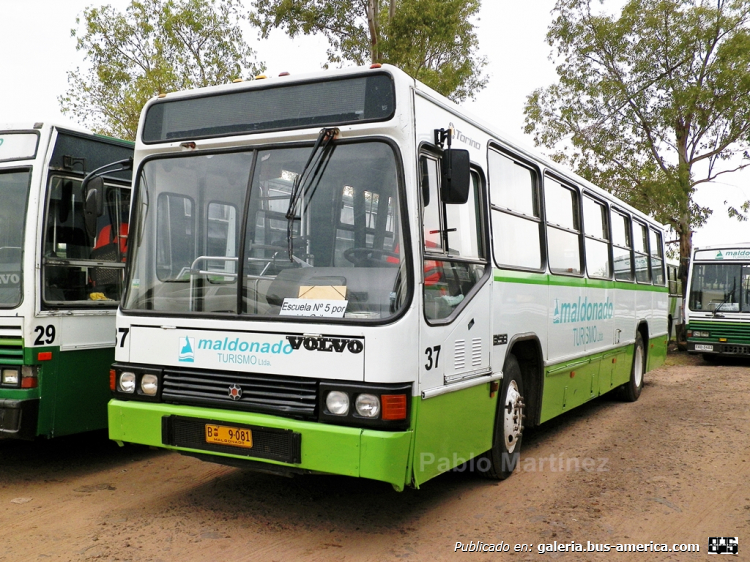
{"x":361,"y":256}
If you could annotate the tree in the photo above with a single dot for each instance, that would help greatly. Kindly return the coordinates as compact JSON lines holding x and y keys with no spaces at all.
{"x":650,"y":104}
{"x":432,"y":40}
{"x":155,"y":47}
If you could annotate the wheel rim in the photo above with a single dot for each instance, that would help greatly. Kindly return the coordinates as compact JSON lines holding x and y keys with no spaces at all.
{"x":512,"y":416}
{"x":638,"y":366}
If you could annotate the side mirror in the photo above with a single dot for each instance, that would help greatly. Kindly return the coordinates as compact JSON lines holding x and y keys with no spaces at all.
{"x":94,"y":205}
{"x":456,"y":176}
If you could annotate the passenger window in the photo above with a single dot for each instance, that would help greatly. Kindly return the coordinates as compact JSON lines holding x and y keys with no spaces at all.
{"x":621,"y":247}
{"x":516,"y":219}
{"x":69,"y":276}
{"x":595,"y":215}
{"x":657,"y":257}
{"x":642,"y":266}
{"x":563,"y":228}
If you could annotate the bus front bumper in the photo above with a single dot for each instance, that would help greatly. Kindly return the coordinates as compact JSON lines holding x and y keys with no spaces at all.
{"x":719,"y":348}
{"x":304,"y":446}
{"x":18,"y":418}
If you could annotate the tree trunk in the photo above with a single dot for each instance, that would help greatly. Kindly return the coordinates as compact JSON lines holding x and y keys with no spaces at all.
{"x":373,"y":9}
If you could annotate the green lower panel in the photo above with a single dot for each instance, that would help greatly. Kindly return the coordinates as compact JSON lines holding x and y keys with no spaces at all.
{"x":572,"y":383}
{"x":657,"y":352}
{"x":452,"y":429}
{"x":349,"y":451}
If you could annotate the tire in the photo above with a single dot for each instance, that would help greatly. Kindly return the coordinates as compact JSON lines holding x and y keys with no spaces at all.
{"x":504,"y":456}
{"x":631,"y":390}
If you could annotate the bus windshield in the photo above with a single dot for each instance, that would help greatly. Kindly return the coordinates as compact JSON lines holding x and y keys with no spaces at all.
{"x":14,"y":189}
{"x":720,"y":287}
{"x":336,"y":253}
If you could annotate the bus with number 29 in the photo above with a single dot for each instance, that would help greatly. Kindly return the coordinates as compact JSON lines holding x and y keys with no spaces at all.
{"x":61,"y":271}
{"x":344,"y":273}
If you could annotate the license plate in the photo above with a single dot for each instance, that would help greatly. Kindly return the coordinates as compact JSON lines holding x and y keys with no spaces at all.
{"x":703,"y":347}
{"x":226,"y":435}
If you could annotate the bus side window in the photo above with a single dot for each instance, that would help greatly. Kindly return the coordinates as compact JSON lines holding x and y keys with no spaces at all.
{"x":516,"y":216}
{"x":657,"y":257}
{"x":563,"y":228}
{"x":596,"y":226}
{"x":621,"y":247}
{"x":642,"y":262}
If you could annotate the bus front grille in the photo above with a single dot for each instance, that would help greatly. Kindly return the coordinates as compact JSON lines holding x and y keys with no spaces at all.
{"x":11,"y":350}
{"x":251,"y":392}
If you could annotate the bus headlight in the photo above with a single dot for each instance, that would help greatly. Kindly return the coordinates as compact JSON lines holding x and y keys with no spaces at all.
{"x":367,"y":405}
{"x":337,"y":403}
{"x":149,"y":384}
{"x":10,"y":377}
{"x":127,"y":382}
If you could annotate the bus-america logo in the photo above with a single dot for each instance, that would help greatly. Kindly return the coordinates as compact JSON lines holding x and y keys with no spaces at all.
{"x":582,"y":311}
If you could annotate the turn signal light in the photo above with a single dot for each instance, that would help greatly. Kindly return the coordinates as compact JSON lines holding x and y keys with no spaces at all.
{"x":394,"y":406}
{"x":112,"y":379}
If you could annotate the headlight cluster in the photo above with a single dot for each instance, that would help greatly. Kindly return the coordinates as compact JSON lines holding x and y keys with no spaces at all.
{"x":697,"y":334}
{"x":383,"y":406}
{"x":25,"y":376}
{"x":140,"y":383}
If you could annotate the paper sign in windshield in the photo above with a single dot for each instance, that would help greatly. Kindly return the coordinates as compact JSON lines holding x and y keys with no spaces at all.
{"x":325,"y":308}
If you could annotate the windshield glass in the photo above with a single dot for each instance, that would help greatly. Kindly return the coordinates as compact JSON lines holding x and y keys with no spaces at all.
{"x":720,"y":287}
{"x":342,"y":260}
{"x":14,"y":191}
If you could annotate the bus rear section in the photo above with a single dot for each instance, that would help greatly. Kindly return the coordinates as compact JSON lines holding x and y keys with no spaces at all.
{"x":718,"y":307}
{"x":60,"y":281}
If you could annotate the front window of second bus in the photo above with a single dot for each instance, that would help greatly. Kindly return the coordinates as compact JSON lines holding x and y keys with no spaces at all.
{"x":720,"y":287}
{"x":14,"y":190}
{"x":329,"y":246}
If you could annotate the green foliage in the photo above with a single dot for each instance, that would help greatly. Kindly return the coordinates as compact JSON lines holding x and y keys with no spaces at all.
{"x":156,"y":46}
{"x":432,"y":40}
{"x":651,"y":103}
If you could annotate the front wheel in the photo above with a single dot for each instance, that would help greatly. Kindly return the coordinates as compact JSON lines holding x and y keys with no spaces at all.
{"x":631,"y":390}
{"x":506,"y":447}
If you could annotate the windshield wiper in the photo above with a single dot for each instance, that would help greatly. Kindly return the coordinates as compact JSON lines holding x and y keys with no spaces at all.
{"x":726,"y":298}
{"x":325,"y":138}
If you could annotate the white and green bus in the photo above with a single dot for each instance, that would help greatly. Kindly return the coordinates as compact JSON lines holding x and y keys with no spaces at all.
{"x":344,"y":273}
{"x":61,"y":265}
{"x":718,"y":308}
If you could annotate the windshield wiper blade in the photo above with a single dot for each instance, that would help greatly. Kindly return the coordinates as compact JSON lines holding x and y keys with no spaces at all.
{"x":726,"y":298}
{"x":325,"y":138}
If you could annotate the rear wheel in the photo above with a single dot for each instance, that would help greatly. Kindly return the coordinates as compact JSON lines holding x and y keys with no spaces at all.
{"x":506,"y":447}
{"x":631,"y":390}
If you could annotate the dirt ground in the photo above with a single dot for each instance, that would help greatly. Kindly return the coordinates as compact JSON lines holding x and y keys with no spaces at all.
{"x":673,"y":467}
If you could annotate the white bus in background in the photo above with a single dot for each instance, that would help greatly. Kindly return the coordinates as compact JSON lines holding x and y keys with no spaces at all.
{"x":342,"y":272}
{"x":61,"y":265}
{"x":718,"y":307}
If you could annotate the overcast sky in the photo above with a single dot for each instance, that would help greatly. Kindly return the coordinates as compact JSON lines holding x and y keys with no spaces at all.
{"x":36,"y":51}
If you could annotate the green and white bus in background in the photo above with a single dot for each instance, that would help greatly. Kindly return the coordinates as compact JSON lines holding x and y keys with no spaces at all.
{"x":60,"y":277}
{"x":718,"y":308}
{"x":343,"y":273}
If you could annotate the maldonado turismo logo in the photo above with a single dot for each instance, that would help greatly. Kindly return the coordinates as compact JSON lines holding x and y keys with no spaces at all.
{"x":582,"y":311}
{"x":187,"y":350}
